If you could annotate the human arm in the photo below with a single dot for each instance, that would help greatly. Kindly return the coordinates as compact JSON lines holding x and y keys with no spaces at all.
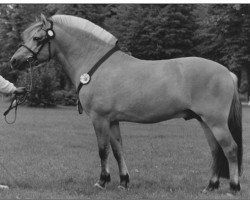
{"x":7,"y":87}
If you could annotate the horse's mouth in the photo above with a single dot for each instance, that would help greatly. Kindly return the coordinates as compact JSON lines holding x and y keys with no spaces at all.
{"x":23,"y":66}
{"x":26,"y":64}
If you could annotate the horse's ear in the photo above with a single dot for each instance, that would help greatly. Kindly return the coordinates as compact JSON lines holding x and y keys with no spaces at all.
{"x":44,"y":20}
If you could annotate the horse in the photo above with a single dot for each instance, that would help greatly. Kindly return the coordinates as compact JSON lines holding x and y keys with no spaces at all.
{"x":122,"y":88}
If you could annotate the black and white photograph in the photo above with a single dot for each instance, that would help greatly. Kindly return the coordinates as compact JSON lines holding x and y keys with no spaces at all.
{"x":124,"y":100}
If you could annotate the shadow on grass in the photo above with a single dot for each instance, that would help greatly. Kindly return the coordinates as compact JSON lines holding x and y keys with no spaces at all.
{"x":187,"y":184}
{"x":72,"y":185}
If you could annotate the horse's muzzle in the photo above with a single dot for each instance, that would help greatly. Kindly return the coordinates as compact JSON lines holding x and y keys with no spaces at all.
{"x":18,"y":64}
{"x":13,"y":63}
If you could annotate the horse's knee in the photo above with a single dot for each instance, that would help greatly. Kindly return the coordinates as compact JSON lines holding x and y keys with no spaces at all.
{"x":104,"y":151}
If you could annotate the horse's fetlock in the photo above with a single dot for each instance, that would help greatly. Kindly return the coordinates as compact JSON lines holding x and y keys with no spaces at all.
{"x":106,"y":178}
{"x":214,"y":185}
{"x":235,"y":187}
{"x":124,"y":180}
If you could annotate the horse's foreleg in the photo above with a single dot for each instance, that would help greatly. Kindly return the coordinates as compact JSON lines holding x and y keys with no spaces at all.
{"x":102,"y":130}
{"x":116,"y":144}
{"x":214,"y":146}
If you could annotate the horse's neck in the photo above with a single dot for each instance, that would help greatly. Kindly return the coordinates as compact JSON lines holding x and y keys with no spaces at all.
{"x":78,"y":56}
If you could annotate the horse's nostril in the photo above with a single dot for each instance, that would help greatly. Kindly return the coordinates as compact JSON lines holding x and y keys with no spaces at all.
{"x":13,"y":62}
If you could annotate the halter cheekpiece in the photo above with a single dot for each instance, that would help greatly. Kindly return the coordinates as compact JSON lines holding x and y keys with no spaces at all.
{"x":50,"y":34}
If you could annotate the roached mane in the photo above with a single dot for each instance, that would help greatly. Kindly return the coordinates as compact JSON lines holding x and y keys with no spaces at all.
{"x":85,"y":25}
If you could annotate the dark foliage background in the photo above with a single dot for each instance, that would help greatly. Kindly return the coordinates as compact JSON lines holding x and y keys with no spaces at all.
{"x":219,"y":32}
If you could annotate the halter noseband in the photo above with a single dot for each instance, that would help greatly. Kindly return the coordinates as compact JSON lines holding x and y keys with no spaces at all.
{"x":50,"y":34}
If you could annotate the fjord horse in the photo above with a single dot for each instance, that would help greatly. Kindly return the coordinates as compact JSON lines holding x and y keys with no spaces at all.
{"x":125,"y":88}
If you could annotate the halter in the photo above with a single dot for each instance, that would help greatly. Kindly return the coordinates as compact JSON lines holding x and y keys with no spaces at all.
{"x":50,"y":34}
{"x":18,"y":100}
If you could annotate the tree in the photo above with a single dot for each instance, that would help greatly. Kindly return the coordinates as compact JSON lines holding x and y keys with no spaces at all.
{"x":219,"y":32}
{"x":14,"y":18}
{"x":154,"y":31}
{"x":224,"y":37}
{"x":96,"y":13}
{"x":43,"y":82}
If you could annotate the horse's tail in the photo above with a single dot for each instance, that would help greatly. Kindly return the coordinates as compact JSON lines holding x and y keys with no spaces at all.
{"x":235,"y":122}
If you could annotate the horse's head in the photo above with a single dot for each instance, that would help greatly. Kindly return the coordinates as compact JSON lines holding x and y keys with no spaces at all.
{"x":37,"y":46}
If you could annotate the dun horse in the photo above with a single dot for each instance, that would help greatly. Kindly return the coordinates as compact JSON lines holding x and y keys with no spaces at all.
{"x":114,"y":87}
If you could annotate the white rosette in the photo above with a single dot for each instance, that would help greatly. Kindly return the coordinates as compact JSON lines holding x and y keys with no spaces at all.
{"x":84,"y":78}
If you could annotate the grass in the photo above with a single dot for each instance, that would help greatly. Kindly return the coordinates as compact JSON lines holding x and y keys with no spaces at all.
{"x":52,"y":154}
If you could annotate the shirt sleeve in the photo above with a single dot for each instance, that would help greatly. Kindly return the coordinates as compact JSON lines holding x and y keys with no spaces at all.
{"x":6,"y":87}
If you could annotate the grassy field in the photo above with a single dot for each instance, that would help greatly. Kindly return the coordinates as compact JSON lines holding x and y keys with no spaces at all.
{"x":52,"y":153}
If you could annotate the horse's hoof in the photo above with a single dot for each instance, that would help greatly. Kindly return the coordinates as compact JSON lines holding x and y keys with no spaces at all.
{"x":4,"y":187}
{"x":99,"y":186}
{"x":124,"y":181}
{"x":102,"y":182}
{"x":234,"y":188}
{"x":211,"y":186}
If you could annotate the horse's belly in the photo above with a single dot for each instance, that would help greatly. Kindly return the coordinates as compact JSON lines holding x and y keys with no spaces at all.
{"x":154,"y":101}
{"x":147,"y":119}
{"x":152,"y":111}
{"x":152,"y":118}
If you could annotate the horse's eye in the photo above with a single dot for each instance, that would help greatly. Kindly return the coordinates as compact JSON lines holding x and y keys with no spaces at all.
{"x":37,"y":38}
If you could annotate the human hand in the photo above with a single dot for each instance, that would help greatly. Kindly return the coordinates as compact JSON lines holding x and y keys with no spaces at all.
{"x":20,"y":91}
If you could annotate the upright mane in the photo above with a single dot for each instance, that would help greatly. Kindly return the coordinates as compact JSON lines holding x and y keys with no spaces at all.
{"x":86,"y":26}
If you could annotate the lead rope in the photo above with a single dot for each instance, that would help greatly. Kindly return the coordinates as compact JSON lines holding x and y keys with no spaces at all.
{"x":18,"y":100}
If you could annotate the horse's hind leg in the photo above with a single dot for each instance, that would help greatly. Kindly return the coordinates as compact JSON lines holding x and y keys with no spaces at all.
{"x":215,"y":150}
{"x":224,"y":138}
{"x":116,"y":144}
{"x":102,"y":130}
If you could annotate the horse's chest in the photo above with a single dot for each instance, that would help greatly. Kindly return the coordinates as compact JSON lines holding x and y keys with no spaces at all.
{"x":95,"y":101}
